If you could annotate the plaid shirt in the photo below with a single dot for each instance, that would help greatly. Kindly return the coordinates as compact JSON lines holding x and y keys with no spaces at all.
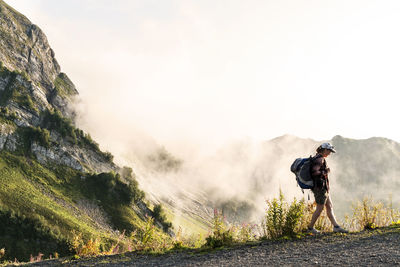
{"x":319,"y":172}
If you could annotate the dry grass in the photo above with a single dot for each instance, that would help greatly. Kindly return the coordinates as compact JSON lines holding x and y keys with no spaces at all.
{"x":369,"y":214}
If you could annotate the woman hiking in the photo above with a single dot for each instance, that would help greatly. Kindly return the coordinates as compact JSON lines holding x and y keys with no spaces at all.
{"x":319,"y":173}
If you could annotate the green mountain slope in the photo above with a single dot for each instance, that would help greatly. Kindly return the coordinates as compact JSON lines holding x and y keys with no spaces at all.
{"x":55,"y":182}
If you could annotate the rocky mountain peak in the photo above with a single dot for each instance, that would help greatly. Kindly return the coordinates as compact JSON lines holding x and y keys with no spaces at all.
{"x":25,"y":50}
{"x":36,"y":111}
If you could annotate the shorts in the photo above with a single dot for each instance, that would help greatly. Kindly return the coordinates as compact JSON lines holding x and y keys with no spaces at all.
{"x":320,"y":195}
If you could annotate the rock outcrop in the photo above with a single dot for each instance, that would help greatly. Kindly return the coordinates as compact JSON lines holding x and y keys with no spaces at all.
{"x":25,"y":48}
{"x":31,"y":86}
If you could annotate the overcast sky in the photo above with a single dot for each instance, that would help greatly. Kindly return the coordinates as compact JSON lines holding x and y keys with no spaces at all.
{"x":209,"y":70}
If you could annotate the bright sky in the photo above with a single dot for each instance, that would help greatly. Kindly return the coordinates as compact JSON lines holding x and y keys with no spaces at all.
{"x":221,"y":69}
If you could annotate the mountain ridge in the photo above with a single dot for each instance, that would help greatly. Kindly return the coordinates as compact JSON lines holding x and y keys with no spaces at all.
{"x":56,"y":182}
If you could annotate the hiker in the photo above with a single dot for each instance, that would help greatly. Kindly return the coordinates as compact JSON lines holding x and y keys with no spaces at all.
{"x":319,"y":173}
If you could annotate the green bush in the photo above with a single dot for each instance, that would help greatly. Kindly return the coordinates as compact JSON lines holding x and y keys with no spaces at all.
{"x":29,"y":135}
{"x":159,"y":215}
{"x":282,"y":219}
{"x":86,"y":140}
{"x":6,"y":114}
{"x":55,"y":121}
{"x":26,"y":101}
{"x":369,"y":214}
{"x":64,"y":126}
{"x":108,"y":156}
{"x":109,"y":187}
{"x":42,"y":136}
{"x":15,"y":91}
{"x":221,"y":235}
{"x":114,"y":196}
{"x":22,"y":236}
{"x":129,"y":176}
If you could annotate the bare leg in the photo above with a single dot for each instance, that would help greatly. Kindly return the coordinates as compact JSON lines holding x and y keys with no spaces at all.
{"x":329,"y":211}
{"x":317,"y":212}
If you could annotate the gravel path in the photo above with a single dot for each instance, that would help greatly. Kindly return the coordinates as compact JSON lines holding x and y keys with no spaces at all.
{"x":368,"y":248}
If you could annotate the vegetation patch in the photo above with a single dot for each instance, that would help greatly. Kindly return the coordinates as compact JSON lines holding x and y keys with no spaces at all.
{"x":8,"y":91}
{"x":29,"y":135}
{"x":282,"y":219}
{"x":64,"y":126}
{"x":55,"y":121}
{"x":6,"y":116}
{"x":160,"y":216}
{"x":63,"y":85}
{"x":44,"y":198}
{"x":24,"y":236}
{"x":115,"y":197}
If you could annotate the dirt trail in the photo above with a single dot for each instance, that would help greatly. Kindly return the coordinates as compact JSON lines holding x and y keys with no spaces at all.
{"x":368,"y":248}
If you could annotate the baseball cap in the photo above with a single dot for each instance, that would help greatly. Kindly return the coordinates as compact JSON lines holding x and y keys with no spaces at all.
{"x":329,"y":147}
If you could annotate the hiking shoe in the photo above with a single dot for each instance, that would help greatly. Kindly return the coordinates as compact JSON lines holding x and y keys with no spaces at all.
{"x":313,"y":231}
{"x":338,"y":229}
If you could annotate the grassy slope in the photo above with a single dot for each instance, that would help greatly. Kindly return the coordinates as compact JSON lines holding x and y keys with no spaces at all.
{"x":47,"y":197}
{"x":190,"y":224}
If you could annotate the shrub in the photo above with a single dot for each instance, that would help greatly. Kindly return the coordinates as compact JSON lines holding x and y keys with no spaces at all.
{"x":86,"y":139}
{"x":244,"y":233}
{"x":281,"y":218}
{"x":85,"y":248}
{"x":42,"y":136}
{"x":221,"y":235}
{"x":108,"y":156}
{"x":369,"y":214}
{"x":63,"y":86}
{"x":178,"y":243}
{"x":109,"y":187}
{"x":7,"y":116}
{"x":159,"y":215}
{"x":23,"y":236}
{"x":29,"y":135}
{"x":147,"y":237}
{"x":55,"y":121}
{"x":128,"y":175}
{"x":148,"y":233}
{"x":115,"y":196}
{"x":64,"y":126}
{"x":25,"y":100}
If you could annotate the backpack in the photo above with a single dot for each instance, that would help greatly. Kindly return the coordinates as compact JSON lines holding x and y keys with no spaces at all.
{"x":301,"y":168}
